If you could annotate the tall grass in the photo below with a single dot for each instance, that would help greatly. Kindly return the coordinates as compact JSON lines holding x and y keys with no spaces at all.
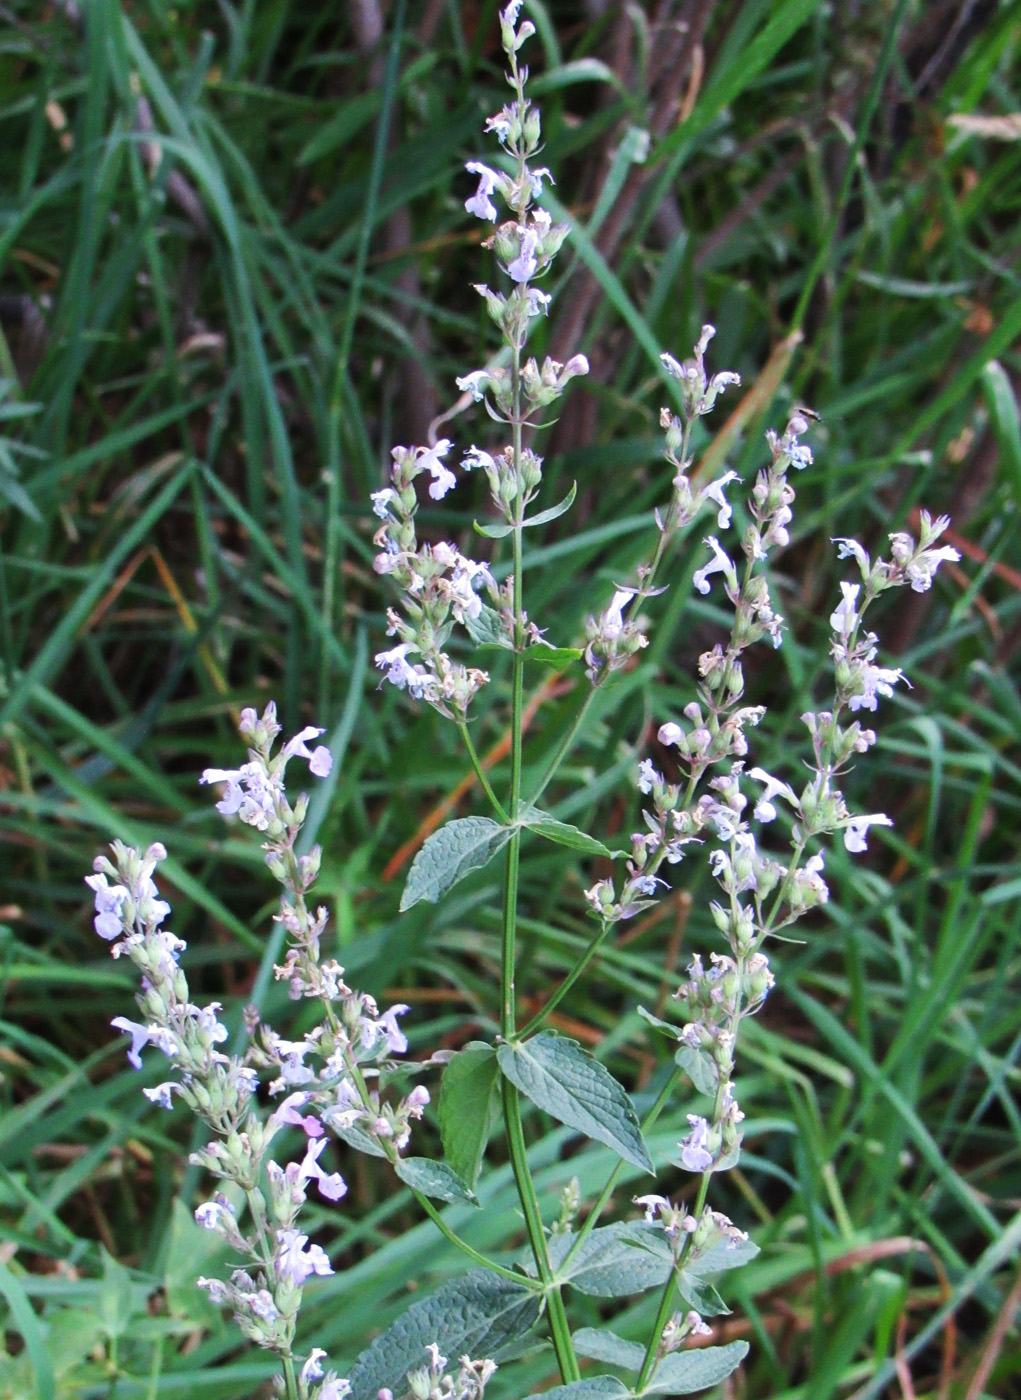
{"x":233,"y":256}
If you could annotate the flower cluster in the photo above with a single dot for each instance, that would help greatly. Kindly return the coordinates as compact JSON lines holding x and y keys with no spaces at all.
{"x":435,"y":1382}
{"x":325,"y":1076}
{"x":611,"y":639}
{"x":439,"y":586}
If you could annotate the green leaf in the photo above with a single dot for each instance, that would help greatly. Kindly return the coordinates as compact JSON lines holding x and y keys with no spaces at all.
{"x":487,"y":629}
{"x":684,"y":1372}
{"x":559,"y":658}
{"x":592,"y":1388}
{"x":1006,"y":416}
{"x":499,"y":532}
{"x":24,"y":1320}
{"x":563,"y":833}
{"x":545,"y":516}
{"x":475,"y":1315}
{"x":358,"y":1139}
{"x":468,"y":1108}
{"x":493,"y":532}
{"x":463,"y":845}
{"x":701,"y":1296}
{"x":564,"y":1080}
{"x":601,"y":1345}
{"x":614,"y":1261}
{"x":693,"y":1281}
{"x":434,"y":1179}
{"x":699,"y":1068}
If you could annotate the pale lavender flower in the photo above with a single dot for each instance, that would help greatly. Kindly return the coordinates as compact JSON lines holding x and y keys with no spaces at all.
{"x":219,"y":1294}
{"x":480,"y":203}
{"x":294,"y":1262}
{"x":320,"y":760}
{"x":331,"y":1185}
{"x":694,"y":1154}
{"x":524,"y":265}
{"x":109,"y":899}
{"x":140,"y":1037}
{"x":397,"y":670}
{"x":312,"y":1371}
{"x":856,"y":831}
{"x":210,"y":1214}
{"x":537,"y":177}
{"x":849,"y":548}
{"x":335,"y":1388}
{"x":765,"y":811}
{"x":845,"y":619}
{"x":396,"y":1040}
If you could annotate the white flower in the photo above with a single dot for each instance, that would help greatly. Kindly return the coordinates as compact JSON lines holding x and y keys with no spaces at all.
{"x":714,"y":492}
{"x":876,"y":680}
{"x":670,"y":733}
{"x":381,"y":499}
{"x":161,"y":1094}
{"x":648,"y":776}
{"x":721,"y":563}
{"x":538,"y":302}
{"x":845,"y":619}
{"x":475,"y":457}
{"x":480,"y":204}
{"x":443,"y":479}
{"x":856,"y":830}
{"x":475,"y":384}
{"x":764,"y":809}
{"x":848,"y":548}
{"x":612,"y":621}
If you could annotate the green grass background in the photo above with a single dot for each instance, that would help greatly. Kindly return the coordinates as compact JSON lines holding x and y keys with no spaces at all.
{"x":234,"y":270}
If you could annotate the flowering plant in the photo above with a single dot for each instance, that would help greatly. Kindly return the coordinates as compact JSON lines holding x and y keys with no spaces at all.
{"x":345,"y":1079}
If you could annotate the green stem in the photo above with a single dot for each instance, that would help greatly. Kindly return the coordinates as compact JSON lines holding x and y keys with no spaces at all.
{"x":559,"y":1327}
{"x":290,"y":1380}
{"x":666,"y":1302}
{"x":480,"y":772}
{"x":393,"y":1156}
{"x":564,"y":747}
{"x":557,"y":997}
{"x":463,"y":1245}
